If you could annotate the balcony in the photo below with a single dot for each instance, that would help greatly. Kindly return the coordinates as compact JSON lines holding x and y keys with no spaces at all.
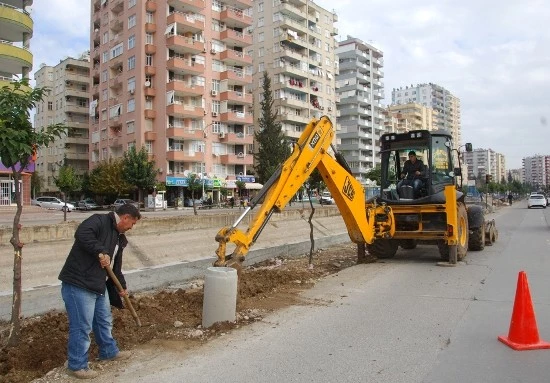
{"x":116,"y":25}
{"x":150,"y":49}
{"x":184,"y":156}
{"x":184,"y":65}
{"x":181,"y":43}
{"x":150,"y":136}
{"x":236,"y":38}
{"x":73,"y":108}
{"x":150,"y":70}
{"x":235,"y":18}
{"x":237,"y":138}
{"x":185,"y":110}
{"x":184,"y":88}
{"x":237,"y":159}
{"x":186,"y":22}
{"x":238,"y":98}
{"x":236,"y":76}
{"x":235,"y":58}
{"x":118,"y":6}
{"x":197,"y":134}
{"x":236,"y":117}
{"x":150,"y":114}
{"x":243,"y":4}
{"x":149,"y":91}
{"x":71,"y":77}
{"x":150,"y":28}
{"x":151,"y":6}
{"x":115,"y":83}
{"x":14,"y":22}
{"x":13,"y":58}
{"x":189,"y":5}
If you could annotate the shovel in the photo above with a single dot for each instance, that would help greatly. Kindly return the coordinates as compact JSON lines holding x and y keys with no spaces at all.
{"x":126,"y":298}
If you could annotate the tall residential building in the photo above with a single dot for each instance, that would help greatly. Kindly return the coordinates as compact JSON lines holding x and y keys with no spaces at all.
{"x":410,"y":116}
{"x":174,"y":77}
{"x":361,"y":113}
{"x":294,"y":42}
{"x":16,"y":28}
{"x":438,"y":98}
{"x":481,"y":162}
{"x":536,"y":171}
{"x":67,"y":104}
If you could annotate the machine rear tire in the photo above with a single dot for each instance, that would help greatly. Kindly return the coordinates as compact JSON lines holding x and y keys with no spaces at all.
{"x":462,"y":246}
{"x":383,"y":248}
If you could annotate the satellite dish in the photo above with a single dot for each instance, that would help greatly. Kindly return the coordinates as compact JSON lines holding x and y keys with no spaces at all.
{"x":147,"y":83}
{"x":186,"y":173}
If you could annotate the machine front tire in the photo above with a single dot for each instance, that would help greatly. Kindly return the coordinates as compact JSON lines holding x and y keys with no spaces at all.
{"x":477,"y":238}
{"x":463,"y":235}
{"x":383,"y":248}
{"x":409,"y":244}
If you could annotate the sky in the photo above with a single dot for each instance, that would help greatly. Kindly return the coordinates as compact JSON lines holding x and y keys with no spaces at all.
{"x":492,"y":54}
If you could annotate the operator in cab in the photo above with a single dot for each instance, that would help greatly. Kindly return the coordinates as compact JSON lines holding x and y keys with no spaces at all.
{"x":412,"y":173}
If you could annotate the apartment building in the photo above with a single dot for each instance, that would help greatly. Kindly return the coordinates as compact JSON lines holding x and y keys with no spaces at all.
{"x":411,"y":116}
{"x":66,"y":104}
{"x":361,"y":114}
{"x":173,"y":77}
{"x":439,"y":99}
{"x":294,"y":42}
{"x":16,"y":29}
{"x":536,"y":171}
{"x":481,"y":162}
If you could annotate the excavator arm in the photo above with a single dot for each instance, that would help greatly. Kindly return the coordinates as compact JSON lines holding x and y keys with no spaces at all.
{"x":364,"y":222}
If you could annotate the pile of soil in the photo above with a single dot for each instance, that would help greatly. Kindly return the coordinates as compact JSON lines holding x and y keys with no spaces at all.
{"x":172,"y":314}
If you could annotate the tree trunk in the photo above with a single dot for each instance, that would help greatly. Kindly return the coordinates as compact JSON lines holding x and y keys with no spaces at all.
{"x":15,"y":325}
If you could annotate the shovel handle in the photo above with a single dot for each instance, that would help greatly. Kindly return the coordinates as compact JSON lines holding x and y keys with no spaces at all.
{"x":125,"y":296}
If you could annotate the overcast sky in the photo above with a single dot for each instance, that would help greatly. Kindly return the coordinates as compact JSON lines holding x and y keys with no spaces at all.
{"x":492,"y":54}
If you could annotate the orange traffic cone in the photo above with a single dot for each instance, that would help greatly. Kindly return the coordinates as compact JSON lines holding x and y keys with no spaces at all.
{"x":523,"y":334}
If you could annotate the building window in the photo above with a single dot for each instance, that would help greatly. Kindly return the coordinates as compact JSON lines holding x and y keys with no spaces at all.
{"x":131,"y":21}
{"x":149,"y":38}
{"x":131,"y":41}
{"x":104,"y":75}
{"x":260,"y":22}
{"x":131,"y":84}
{"x":261,"y":37}
{"x":50,"y":105}
{"x":148,"y":60}
{"x":261,"y":52}
{"x":104,"y":95}
{"x":261,"y":7}
{"x":117,"y":50}
{"x":105,"y":57}
{"x":131,"y":62}
{"x":149,"y":146}
{"x":131,"y":3}
{"x":130,"y":127}
{"x":105,"y":37}
{"x":149,"y":18}
{"x":131,"y":105}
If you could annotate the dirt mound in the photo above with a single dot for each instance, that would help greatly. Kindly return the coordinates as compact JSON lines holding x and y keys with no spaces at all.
{"x":171,"y":314}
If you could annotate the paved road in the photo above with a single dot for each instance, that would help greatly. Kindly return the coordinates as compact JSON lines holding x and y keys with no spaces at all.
{"x":402,"y":320}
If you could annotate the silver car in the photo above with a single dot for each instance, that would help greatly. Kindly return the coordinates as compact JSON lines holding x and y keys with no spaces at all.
{"x":52,"y":203}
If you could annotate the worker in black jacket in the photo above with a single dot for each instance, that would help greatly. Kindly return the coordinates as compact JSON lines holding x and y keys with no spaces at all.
{"x":99,"y":242}
{"x":412,"y":174}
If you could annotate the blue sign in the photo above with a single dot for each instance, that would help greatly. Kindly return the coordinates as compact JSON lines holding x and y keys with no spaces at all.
{"x":246,"y":178}
{"x":184,"y":182}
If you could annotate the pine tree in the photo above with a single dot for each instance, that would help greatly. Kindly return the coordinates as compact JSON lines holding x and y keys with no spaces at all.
{"x":273,"y":145}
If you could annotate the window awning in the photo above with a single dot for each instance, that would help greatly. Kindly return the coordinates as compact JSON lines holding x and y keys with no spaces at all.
{"x":253,"y":186}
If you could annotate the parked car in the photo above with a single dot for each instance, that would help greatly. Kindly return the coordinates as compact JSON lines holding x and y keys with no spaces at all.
{"x":87,"y":204}
{"x":326,"y":199}
{"x":52,"y":203}
{"x":536,"y":200}
{"x":123,"y":201}
{"x":188,"y":202}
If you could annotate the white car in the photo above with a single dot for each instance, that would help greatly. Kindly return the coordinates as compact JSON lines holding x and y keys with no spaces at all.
{"x":52,"y":203}
{"x":536,"y":200}
{"x":326,"y":199}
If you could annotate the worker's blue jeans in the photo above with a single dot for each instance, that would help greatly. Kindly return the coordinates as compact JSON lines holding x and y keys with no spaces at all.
{"x":87,"y":311}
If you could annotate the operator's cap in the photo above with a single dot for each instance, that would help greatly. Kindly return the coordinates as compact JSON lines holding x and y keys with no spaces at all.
{"x":412,"y":153}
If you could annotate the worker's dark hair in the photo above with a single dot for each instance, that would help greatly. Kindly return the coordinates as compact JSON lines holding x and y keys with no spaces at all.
{"x":412,"y":153}
{"x":129,"y":209}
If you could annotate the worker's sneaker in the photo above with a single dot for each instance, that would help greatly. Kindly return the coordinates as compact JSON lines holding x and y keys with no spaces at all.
{"x":85,"y":373}
{"x":122,"y":355}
